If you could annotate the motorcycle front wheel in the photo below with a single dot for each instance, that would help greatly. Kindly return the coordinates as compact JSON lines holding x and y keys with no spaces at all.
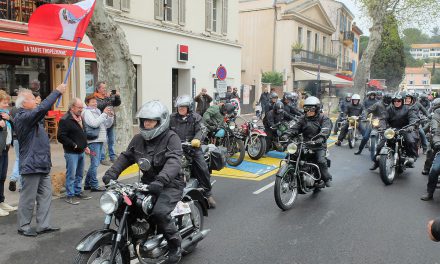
{"x":101,"y":255}
{"x":256,"y":147}
{"x":286,"y":191}
{"x":373,"y":141}
{"x":235,"y":146}
{"x":351,"y":139}
{"x":387,"y":168}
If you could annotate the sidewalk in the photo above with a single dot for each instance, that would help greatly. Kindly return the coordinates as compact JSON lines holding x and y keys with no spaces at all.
{"x":58,"y":165}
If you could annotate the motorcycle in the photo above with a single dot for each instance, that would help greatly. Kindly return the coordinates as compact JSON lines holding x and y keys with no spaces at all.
{"x":282,"y":136}
{"x":353,"y":134}
{"x":297,"y":175}
{"x":392,"y":157}
{"x":214,"y":158}
{"x":375,"y":136}
{"x":135,"y":235}
{"x":254,"y":138}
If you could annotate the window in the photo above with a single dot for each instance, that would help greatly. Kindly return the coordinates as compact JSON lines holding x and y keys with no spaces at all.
{"x":309,"y":39}
{"x":123,"y":5}
{"x":173,"y":11}
{"x":316,"y":42}
{"x":216,"y":16}
{"x":411,"y":82}
{"x":324,"y":44}
{"x":91,"y":76}
{"x":425,"y":82}
{"x":300,"y":35}
{"x":355,"y":45}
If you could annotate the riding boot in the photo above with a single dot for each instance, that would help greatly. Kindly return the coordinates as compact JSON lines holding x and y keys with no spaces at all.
{"x":361,"y":146}
{"x":172,"y":235}
{"x":375,"y":165}
{"x":427,"y":197}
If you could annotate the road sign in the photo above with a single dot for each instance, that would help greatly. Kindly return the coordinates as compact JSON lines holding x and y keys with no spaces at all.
{"x":221,"y":73}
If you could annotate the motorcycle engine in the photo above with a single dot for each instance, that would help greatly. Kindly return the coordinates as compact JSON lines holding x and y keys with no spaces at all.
{"x":140,"y":229}
{"x":186,"y":168}
{"x":308,"y":180}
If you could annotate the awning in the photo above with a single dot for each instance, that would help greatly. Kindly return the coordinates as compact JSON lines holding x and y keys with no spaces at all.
{"x":23,"y":44}
{"x":376,"y":84}
{"x":306,"y":75}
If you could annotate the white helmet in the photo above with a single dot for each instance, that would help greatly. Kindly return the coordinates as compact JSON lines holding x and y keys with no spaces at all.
{"x":153,"y":110}
{"x":355,"y":97}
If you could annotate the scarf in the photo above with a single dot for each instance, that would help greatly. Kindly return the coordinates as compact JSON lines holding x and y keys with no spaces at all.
{"x":77,"y":119}
{"x":98,"y":95}
{"x":8,"y":123}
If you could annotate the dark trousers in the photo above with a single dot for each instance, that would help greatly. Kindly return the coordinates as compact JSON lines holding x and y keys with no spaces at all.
{"x":3,"y":172}
{"x":430,"y":155}
{"x":434,"y":172}
{"x":344,"y":131}
{"x":336,"y":128}
{"x":201,"y":172}
{"x":165,"y":204}
{"x":321,"y":161}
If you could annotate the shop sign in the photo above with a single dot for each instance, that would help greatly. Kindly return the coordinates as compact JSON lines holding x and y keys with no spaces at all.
{"x":44,"y":50}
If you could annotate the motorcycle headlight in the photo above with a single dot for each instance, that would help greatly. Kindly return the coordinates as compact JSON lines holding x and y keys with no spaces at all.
{"x":389,"y":133}
{"x":147,"y":204}
{"x":231,"y":126}
{"x":109,"y":202}
{"x":375,"y":122}
{"x":292,"y":148}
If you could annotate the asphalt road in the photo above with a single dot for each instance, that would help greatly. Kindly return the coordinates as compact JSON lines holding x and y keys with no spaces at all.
{"x":358,"y":220}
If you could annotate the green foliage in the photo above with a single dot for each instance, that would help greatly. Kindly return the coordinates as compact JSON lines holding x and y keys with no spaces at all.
{"x":363,"y":43}
{"x":414,"y":36}
{"x":297,"y":47}
{"x":274,"y":78}
{"x":389,"y":60}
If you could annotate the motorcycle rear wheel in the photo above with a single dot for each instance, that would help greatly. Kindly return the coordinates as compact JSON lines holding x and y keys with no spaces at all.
{"x":101,"y":255}
{"x":198,"y":221}
{"x":283,"y":185}
{"x":387,"y":168}
{"x":257,"y":150}
{"x":235,"y":146}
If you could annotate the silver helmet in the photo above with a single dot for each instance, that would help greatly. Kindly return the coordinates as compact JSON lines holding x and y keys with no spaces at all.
{"x":153,"y":110}
{"x":436,"y":104}
{"x":185,"y":100}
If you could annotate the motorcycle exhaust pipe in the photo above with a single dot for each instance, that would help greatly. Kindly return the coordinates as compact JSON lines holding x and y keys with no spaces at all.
{"x":189,"y":241}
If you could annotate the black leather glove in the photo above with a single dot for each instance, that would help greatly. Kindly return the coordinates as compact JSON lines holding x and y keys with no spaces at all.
{"x":106,"y":179}
{"x":320,"y":140}
{"x":155,"y":187}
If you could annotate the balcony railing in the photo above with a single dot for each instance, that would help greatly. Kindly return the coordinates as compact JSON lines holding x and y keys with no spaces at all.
{"x":305,"y":56}
{"x":347,"y":66}
{"x":19,"y":10}
{"x":348,"y":38}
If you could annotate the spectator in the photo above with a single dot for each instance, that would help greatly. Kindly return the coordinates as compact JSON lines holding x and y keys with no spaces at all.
{"x":71,"y":134}
{"x":35,"y":86}
{"x":265,"y":100}
{"x":35,"y":162}
{"x":228,"y":95}
{"x":203,"y":100}
{"x":15,"y":176}
{"x":5,"y":142}
{"x":235,"y":94}
{"x":93,"y":118}
{"x":105,"y":99}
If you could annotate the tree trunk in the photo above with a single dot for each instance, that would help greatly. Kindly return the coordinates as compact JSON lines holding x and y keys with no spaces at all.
{"x":115,"y":67}
{"x":362,"y":72}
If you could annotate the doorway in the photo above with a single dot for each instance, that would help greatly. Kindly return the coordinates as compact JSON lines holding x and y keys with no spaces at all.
{"x":175,"y":85}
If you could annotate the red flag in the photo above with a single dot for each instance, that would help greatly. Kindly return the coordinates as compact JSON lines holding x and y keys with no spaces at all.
{"x":53,"y":21}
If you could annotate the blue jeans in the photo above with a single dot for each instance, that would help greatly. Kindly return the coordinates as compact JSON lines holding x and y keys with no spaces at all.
{"x":15,"y":176}
{"x":91,"y":179}
{"x":434,"y":172}
{"x":423,"y":138}
{"x":3,"y":172}
{"x":111,"y":144}
{"x":74,"y":173}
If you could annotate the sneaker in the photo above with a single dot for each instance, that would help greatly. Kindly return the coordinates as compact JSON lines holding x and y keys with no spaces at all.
{"x":6,"y":207}
{"x":70,"y":200}
{"x":87,"y":188}
{"x":358,"y":152}
{"x":425,"y":172}
{"x":83,"y":197}
{"x":3,"y":212}
{"x":106,"y":163}
{"x":12,"y":186}
{"x":98,"y":189}
{"x":211,"y":202}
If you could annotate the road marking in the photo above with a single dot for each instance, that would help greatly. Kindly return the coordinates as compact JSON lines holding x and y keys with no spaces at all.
{"x":270,"y":185}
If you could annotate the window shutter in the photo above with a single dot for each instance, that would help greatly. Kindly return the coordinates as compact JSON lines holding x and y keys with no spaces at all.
{"x":225,"y":17}
{"x":117,"y":4}
{"x":125,"y":5}
{"x":158,"y":9}
{"x":208,"y":15}
{"x":182,"y":12}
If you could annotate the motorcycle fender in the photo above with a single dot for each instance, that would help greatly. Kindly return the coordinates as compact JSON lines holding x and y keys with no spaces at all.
{"x":258,"y":132}
{"x":196,"y":195}
{"x":384,"y":151}
{"x":283,"y":169}
{"x":88,"y":243}
{"x":373,"y":133}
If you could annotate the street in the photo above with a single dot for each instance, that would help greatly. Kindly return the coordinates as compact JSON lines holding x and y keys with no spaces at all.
{"x":357,"y":220}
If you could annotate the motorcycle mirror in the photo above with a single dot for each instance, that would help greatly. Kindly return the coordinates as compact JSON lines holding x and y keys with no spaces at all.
{"x":144,"y":164}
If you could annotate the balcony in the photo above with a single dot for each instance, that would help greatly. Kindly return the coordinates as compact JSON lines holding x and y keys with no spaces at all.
{"x":348,"y":38}
{"x":347,"y":66}
{"x":19,"y":10}
{"x":312,"y":60}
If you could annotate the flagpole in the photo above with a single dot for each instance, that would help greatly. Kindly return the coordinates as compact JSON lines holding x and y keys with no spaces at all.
{"x":70,"y":67}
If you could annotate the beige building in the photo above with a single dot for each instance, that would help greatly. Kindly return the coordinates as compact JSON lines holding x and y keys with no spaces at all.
{"x":287,"y":37}
{"x":416,"y":79}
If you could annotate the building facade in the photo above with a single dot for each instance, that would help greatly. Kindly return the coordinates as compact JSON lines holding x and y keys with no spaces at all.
{"x":417,"y":79}
{"x":425,"y":51}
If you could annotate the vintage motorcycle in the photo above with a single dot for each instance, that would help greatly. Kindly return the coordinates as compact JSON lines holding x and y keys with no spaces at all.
{"x":254,"y":138}
{"x":353,"y":133}
{"x":214,"y":158}
{"x":134,"y":234}
{"x":392,"y":157}
{"x":282,"y":136}
{"x":375,"y":136}
{"x":298,"y":173}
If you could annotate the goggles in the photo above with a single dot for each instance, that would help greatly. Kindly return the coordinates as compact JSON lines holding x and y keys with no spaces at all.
{"x":308,"y":108}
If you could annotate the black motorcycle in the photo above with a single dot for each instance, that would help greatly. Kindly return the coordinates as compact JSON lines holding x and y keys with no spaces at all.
{"x":298,"y":173}
{"x":281,"y":138}
{"x":134,"y":234}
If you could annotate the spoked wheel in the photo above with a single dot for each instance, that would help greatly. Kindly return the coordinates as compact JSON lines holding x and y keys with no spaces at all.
{"x":235,"y":146}
{"x":256,"y":147}
{"x":351,"y":139}
{"x":101,"y":255}
{"x":197,"y":221}
{"x":286,"y":191}
{"x":387,"y":168}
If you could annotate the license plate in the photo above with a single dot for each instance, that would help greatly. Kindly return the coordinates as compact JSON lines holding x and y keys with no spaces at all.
{"x":181,"y":209}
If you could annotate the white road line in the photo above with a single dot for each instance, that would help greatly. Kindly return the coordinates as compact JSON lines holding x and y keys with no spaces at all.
{"x":264,"y":188}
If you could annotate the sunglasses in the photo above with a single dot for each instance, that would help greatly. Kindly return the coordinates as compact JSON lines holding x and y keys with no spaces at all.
{"x":397,"y":101}
{"x":309,"y":108}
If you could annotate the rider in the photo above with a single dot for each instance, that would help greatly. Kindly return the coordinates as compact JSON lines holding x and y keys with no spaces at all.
{"x":424,"y":101}
{"x":434,"y":158}
{"x":378,"y":110}
{"x":161,"y":146}
{"x":411,"y":101}
{"x":273,"y":117}
{"x":214,"y":115}
{"x":311,"y":125}
{"x":398,"y":116}
{"x":353,"y":109}
{"x":289,"y":108}
{"x":342,"y":106}
{"x":370,"y":100}
{"x":295,"y":99}
{"x":188,"y":126}
{"x":273,"y":99}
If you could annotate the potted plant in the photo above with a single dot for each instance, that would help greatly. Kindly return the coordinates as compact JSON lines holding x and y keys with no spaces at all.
{"x":297,"y":47}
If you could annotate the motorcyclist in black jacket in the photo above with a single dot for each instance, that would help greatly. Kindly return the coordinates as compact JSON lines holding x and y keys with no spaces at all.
{"x":311,"y":125}
{"x":273,"y":117}
{"x":162,"y":148}
{"x":411,"y":101}
{"x":434,"y":158}
{"x":341,"y":108}
{"x":188,"y":126}
{"x":273,"y":99}
{"x":398,"y":116}
{"x":370,"y":99}
{"x":289,"y":107}
{"x":353,"y":109}
{"x":378,"y":110}
{"x":424,"y":101}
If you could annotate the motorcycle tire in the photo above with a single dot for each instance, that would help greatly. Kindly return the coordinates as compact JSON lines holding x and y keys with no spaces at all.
{"x":351,"y":139}
{"x":280,"y":186}
{"x":201,"y":221}
{"x":241,"y":152}
{"x":373,"y":142}
{"x":84,"y":257}
{"x":387,"y":173}
{"x":257,"y":155}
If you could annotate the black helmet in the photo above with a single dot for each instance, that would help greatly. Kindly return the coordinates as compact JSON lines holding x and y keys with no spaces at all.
{"x":423,"y":97}
{"x":273,"y":95}
{"x":387,"y":98}
{"x":288,"y":96}
{"x":412,"y":96}
{"x":227,"y":108}
{"x":277,"y":107}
